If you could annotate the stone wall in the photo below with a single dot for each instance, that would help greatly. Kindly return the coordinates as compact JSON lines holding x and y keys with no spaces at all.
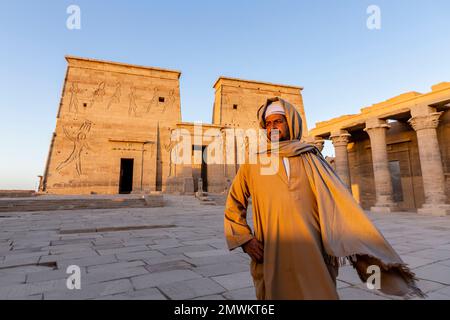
{"x":114,"y":112}
{"x":237,"y":102}
{"x":110,"y":111}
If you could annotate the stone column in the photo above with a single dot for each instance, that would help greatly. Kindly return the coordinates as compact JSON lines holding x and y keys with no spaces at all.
{"x":340,"y":141}
{"x":376,"y":128}
{"x":316,"y":140}
{"x":425,"y":121}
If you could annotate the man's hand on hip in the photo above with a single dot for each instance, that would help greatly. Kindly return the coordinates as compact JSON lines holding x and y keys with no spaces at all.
{"x":255,"y":250}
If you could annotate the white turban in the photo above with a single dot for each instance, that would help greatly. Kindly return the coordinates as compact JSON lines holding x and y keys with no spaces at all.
{"x":274,"y":108}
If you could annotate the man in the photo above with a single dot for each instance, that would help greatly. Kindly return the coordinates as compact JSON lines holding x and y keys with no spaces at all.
{"x":306,"y":223}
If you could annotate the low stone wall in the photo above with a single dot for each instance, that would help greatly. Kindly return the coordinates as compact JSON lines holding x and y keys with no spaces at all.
{"x":16,"y":193}
{"x":51,"y":203}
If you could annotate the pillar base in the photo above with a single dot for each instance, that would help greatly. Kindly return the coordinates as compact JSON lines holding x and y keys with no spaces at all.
{"x":382,"y":209}
{"x":188,"y":185}
{"x":438,"y":210}
{"x":180,"y":185}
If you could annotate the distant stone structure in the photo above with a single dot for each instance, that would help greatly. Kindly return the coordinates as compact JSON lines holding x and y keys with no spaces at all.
{"x":115,"y":121}
{"x":395,"y":155}
{"x":114,"y":126}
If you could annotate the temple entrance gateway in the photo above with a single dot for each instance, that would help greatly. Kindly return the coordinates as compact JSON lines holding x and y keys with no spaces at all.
{"x":199,"y":170}
{"x":111,"y":111}
{"x":126,"y":176}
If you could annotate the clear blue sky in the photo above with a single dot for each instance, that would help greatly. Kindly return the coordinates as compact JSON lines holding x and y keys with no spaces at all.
{"x":323,"y":46}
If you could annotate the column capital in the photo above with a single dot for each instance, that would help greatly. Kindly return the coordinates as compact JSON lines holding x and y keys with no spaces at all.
{"x":376,"y":124}
{"x":429,"y":121}
{"x":315,"y":140}
{"x":340,"y":138}
{"x":421,"y":110}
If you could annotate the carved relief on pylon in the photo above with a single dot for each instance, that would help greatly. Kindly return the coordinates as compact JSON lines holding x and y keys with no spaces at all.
{"x":115,"y":98}
{"x":80,"y":144}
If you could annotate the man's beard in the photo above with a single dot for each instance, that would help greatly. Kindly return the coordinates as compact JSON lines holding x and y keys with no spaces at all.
{"x":275,"y":136}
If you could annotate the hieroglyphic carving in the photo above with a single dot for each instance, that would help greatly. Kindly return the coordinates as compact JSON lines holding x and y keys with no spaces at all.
{"x":115,"y":98}
{"x":132,"y":108}
{"x":79,"y":145}
{"x":171,"y":99}
{"x":168,"y":147}
{"x":74,"y":91}
{"x":153,"y":101}
{"x":98,"y":94}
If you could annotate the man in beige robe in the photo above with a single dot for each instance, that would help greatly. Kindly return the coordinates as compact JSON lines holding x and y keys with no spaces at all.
{"x":306,"y":223}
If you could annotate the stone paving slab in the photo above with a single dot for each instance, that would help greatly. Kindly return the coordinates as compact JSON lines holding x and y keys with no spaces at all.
{"x":87,"y":261}
{"x":241,"y":294}
{"x":9,"y":279}
{"x":221,"y":269}
{"x":235,"y":281}
{"x":211,"y":297}
{"x":146,"y":294}
{"x":108,"y":275}
{"x":29,"y":289}
{"x":191,"y":289}
{"x":435,"y":272}
{"x":162,"y":278}
{"x":91,"y":291}
{"x":355,"y":293}
{"x":168,"y":266}
{"x":185,"y":258}
{"x":115,"y":266}
{"x":47,"y":275}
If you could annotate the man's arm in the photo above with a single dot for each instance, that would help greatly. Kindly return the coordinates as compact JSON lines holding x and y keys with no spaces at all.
{"x":254,"y":249}
{"x":237,"y":231}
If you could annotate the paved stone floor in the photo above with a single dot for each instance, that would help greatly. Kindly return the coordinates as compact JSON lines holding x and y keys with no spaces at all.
{"x":176,"y":252}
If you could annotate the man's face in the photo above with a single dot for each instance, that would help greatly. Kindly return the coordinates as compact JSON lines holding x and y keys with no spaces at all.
{"x":277,"y":121}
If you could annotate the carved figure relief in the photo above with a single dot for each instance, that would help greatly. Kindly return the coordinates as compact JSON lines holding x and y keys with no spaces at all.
{"x":132,"y":108}
{"x":115,"y":98}
{"x":78,"y":139}
{"x":98,"y":94}
{"x":168,"y":147}
{"x":153,"y":101}
{"x":74,"y":91}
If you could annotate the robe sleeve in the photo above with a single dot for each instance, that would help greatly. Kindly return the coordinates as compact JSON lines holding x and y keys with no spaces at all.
{"x":237,"y":231}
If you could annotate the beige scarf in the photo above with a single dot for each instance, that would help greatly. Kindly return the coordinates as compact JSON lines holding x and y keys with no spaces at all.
{"x":347,"y":233}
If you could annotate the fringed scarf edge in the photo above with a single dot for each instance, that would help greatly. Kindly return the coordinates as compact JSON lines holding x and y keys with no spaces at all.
{"x":405,"y":272}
